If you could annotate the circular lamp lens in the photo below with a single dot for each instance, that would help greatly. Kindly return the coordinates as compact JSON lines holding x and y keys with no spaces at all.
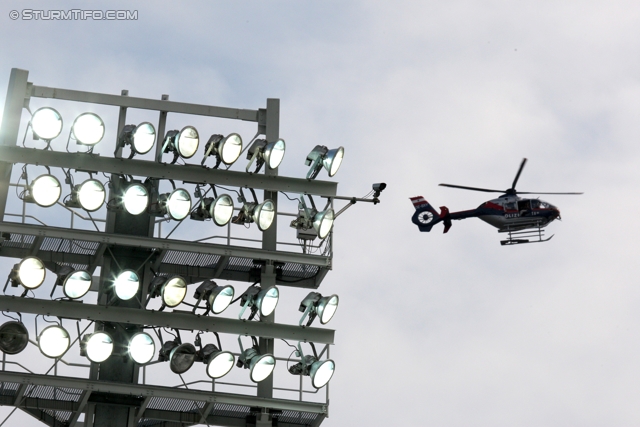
{"x":187,"y":142}
{"x":46,"y":190}
{"x":220,"y":364}
{"x":262,"y":367}
{"x":46,"y":123}
{"x":77,"y":284}
{"x":230,"y":148}
{"x":323,"y":222}
{"x":174,"y":291}
{"x":221,"y":210}
{"x":274,"y":153}
{"x":333,"y":160}
{"x":327,"y":308}
{"x":182,"y":358}
{"x":179,"y":204}
{"x":135,"y":198}
{"x":143,"y":138}
{"x":321,"y":372}
{"x":91,"y":195}
{"x":99,"y":347}
{"x":142,"y":348}
{"x":14,"y":337}
{"x":31,"y":272}
{"x":88,"y":129}
{"x":264,"y":214}
{"x":126,"y":285}
{"x":268,"y":300}
{"x":220,"y":298}
{"x":53,"y":341}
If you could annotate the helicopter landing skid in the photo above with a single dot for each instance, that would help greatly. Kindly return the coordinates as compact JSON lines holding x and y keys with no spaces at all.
{"x":524,"y":236}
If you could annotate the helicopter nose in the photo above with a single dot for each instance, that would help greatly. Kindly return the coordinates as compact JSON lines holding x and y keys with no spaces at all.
{"x":556,"y":212}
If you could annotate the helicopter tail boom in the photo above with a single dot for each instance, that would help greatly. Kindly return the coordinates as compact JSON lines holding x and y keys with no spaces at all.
{"x":425,"y":216}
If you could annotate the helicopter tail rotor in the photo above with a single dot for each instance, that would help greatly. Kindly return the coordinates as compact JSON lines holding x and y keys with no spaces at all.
{"x":425,"y":216}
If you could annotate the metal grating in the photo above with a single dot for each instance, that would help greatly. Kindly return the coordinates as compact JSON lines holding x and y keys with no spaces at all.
{"x":9,"y":389}
{"x":62,"y":416}
{"x":53,"y":393}
{"x":167,"y":404}
{"x":231,"y":411}
{"x":300,"y":270}
{"x":304,"y":418}
{"x":190,"y":258}
{"x":80,"y":247}
{"x":21,"y":241}
{"x":240,"y":264}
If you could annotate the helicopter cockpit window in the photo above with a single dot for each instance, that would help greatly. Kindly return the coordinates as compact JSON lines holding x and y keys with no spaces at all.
{"x":535,"y":204}
{"x":524,"y":205}
{"x":544,"y":205}
{"x":510,"y":206}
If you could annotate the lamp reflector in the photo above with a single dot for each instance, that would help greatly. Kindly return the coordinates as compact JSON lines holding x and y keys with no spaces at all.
{"x":230,"y":148}
{"x":267,"y":300}
{"x":14,"y":337}
{"x":77,"y":284}
{"x":274,"y":153}
{"x":46,"y":123}
{"x":323,"y":222}
{"x":135,"y":198}
{"x":45,"y":190}
{"x":327,"y":307}
{"x":29,"y":272}
{"x":99,"y":347}
{"x":187,"y":142}
{"x":182,"y":358}
{"x":91,"y":195}
{"x":220,"y":298}
{"x":333,"y":160}
{"x":143,"y":137}
{"x":220,"y":364}
{"x":126,"y":284}
{"x":173,"y":291}
{"x":321,"y":372}
{"x":54,"y":341}
{"x":142,"y":348}
{"x":178,"y":204}
{"x":261,"y":367}
{"x":88,"y":129}
{"x":263,"y":214}
{"x":221,"y":210}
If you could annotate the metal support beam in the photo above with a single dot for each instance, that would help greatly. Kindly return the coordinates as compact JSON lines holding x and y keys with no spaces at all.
{"x":175,"y":319}
{"x":143,"y":168}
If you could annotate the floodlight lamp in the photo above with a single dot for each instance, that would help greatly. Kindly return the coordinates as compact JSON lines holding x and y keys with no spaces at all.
{"x":263,"y":152}
{"x":259,"y":300}
{"x":260,"y":365}
{"x":320,"y":221}
{"x":46,"y":123}
{"x":75,"y":283}
{"x":173,"y":289}
{"x":320,"y":371}
{"x":14,"y":337}
{"x":45,"y":191}
{"x":315,"y":305}
{"x":141,"y":348}
{"x":141,"y":138}
{"x":176,"y":204}
{"x":226,"y":149}
{"x":183,"y":143}
{"x":135,"y":198}
{"x":321,"y":157}
{"x":217,"y":297}
{"x":97,"y":347}
{"x":219,"y":363}
{"x":126,"y":285}
{"x":54,"y":341}
{"x":180,"y":356}
{"x":29,"y":272}
{"x":89,"y":195}
{"x":88,"y":129}
{"x":262,"y":214}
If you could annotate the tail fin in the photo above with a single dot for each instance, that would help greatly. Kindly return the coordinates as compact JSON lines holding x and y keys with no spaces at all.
{"x":425,"y":216}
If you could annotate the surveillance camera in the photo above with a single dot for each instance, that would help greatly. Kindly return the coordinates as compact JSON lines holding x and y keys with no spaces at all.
{"x":378,"y":187}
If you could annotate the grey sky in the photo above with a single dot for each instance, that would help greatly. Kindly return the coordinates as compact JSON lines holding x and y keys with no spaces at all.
{"x":443,"y":330}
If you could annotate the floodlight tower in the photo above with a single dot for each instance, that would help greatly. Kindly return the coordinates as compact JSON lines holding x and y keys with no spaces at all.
{"x":136,"y":266}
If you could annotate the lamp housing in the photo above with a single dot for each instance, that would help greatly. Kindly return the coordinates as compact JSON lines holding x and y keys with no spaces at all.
{"x":263,"y":152}
{"x":183,"y":143}
{"x":315,"y":305}
{"x":320,"y":371}
{"x":260,"y":365}
{"x":44,"y":191}
{"x":46,"y":123}
{"x":75,"y":283}
{"x":88,"y":129}
{"x":97,"y":347}
{"x":262,"y":214}
{"x":219,"y":363}
{"x":320,"y":157}
{"x":217,"y":297}
{"x":173,"y":289}
{"x":30,"y":272}
{"x":226,"y":149}
{"x":141,"y":138}
{"x":90,"y":196}
{"x":14,"y":337}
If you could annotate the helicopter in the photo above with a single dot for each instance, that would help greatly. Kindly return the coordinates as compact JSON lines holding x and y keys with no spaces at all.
{"x":522,"y":219}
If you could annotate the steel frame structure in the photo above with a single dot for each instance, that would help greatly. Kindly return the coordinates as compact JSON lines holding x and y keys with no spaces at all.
{"x":109,"y":398}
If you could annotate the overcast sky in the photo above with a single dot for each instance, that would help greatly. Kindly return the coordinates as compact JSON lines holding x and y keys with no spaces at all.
{"x":433,"y":329}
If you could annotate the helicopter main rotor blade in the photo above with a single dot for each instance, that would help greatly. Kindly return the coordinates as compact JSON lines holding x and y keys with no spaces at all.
{"x":524,"y":161}
{"x":538,"y":192}
{"x":486,"y":190}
